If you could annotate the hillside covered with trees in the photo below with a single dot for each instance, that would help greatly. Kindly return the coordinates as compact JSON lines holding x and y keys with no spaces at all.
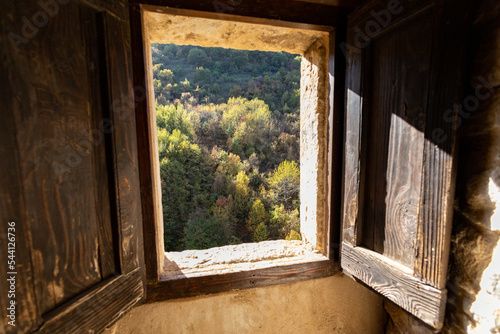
{"x":228,"y":140}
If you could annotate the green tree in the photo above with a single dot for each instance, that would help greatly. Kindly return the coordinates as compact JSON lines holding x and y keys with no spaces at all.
{"x":202,"y":75}
{"x":236,"y":91}
{"x":171,"y":117}
{"x":260,"y":233}
{"x":203,"y":231}
{"x":283,"y":222}
{"x":170,"y":50}
{"x":239,"y":58}
{"x":285,"y":183}
{"x":257,"y":215}
{"x":250,"y":125}
{"x":197,"y":57}
{"x":181,"y":182}
{"x":166,"y":76}
{"x":296,"y":61}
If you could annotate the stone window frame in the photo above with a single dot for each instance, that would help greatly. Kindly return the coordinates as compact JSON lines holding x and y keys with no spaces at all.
{"x":326,"y":116}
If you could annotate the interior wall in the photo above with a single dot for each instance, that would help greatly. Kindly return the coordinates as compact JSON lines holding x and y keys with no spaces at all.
{"x":329,"y":305}
{"x":334,"y":304}
{"x":474,"y":270}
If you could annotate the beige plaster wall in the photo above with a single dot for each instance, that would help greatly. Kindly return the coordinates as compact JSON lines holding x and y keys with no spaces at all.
{"x":328,"y":305}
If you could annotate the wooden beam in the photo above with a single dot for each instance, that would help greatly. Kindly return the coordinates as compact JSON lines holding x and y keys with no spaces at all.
{"x":337,"y":70}
{"x":281,"y":10}
{"x":148,"y":161}
{"x":100,"y":307}
{"x":202,"y":285}
{"x":440,"y":167}
{"x":396,"y":282}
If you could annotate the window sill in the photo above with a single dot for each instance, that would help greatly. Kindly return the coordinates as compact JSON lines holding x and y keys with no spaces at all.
{"x":237,"y":258}
{"x":200,"y":272}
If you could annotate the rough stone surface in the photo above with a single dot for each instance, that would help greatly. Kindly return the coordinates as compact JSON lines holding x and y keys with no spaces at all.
{"x":474,"y":270}
{"x":313,"y":133}
{"x":183,"y":30}
{"x":328,"y":305}
{"x":236,"y":258}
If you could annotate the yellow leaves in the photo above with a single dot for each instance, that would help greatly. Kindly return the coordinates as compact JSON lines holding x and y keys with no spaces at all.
{"x":242,"y":178}
{"x":293,"y":236}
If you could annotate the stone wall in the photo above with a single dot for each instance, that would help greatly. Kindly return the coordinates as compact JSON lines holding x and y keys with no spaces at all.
{"x":313,"y":150}
{"x":328,"y":305}
{"x":474,"y":269}
{"x":163,"y":27}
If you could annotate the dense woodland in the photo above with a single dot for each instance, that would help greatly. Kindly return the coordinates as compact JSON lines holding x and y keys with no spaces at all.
{"x":228,"y":140}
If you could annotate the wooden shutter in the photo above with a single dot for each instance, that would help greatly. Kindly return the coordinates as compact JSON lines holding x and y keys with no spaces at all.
{"x":405,"y":64}
{"x":69,"y":166}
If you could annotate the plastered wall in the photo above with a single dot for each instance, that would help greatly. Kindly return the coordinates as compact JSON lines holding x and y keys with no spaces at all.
{"x":334,"y":304}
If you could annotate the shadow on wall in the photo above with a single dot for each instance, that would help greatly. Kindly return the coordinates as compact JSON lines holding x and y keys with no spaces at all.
{"x":474,"y":269}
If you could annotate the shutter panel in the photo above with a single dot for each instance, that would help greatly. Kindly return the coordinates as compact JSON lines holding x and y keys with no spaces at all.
{"x":69,"y":154}
{"x":405,"y":68}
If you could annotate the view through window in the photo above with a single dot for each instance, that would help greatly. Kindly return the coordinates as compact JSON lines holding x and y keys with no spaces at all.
{"x":228,"y":124}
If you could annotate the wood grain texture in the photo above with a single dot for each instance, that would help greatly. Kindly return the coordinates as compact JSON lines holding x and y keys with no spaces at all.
{"x":395,"y":131}
{"x":404,"y":190}
{"x":12,"y":204}
{"x":189,"y":287}
{"x":62,"y":165}
{"x":336,"y":139}
{"x":146,"y":138}
{"x":297,"y":12}
{"x":117,"y":8}
{"x":352,"y":153}
{"x":124,"y":143}
{"x":359,"y":20}
{"x":395,"y":282}
{"x":99,"y":307}
{"x":101,"y":162}
{"x":53,"y":123}
{"x":439,"y":167}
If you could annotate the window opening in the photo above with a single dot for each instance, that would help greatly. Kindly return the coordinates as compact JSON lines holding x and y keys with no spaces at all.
{"x":188,"y":93}
{"x":228,"y":125}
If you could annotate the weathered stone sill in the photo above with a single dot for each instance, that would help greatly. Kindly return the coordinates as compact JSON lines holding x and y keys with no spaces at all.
{"x":236,"y":258}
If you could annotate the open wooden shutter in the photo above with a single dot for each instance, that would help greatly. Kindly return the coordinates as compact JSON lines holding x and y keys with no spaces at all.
{"x":405,"y":64}
{"x":69,"y":184}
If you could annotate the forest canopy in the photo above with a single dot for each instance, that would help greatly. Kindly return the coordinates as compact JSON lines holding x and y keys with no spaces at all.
{"x":228,"y":139}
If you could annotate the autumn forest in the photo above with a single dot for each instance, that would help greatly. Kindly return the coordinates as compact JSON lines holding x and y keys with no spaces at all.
{"x":228,"y":140}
